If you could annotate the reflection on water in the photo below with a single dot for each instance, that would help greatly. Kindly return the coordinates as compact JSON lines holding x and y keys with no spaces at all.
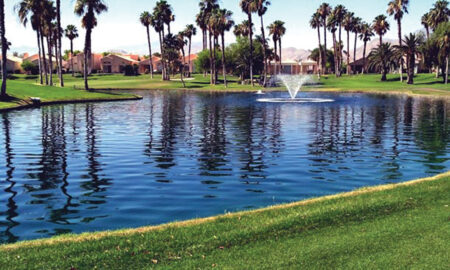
{"x":179,"y":155}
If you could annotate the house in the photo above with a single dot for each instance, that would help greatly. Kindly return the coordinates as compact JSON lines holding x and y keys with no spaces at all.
{"x":115,"y":63}
{"x":144,"y":65}
{"x":294,"y":67}
{"x":13,"y":64}
{"x":78,"y":63}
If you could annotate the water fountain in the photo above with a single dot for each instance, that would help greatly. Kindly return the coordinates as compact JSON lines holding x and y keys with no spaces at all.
{"x":294,"y":84}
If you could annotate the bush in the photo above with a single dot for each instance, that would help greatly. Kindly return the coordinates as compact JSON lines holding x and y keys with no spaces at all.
{"x":30,"y":68}
{"x":131,"y":70}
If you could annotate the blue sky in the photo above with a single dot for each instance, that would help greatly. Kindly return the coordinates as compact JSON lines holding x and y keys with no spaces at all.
{"x":120,"y":28}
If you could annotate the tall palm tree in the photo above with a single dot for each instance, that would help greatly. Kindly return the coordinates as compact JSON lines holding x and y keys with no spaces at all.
{"x":274,"y":34}
{"x":249,"y":7}
{"x":439,"y":13}
{"x":357,"y":22}
{"x":88,"y":9}
{"x":278,"y":29}
{"x":339,"y":13}
{"x":181,"y":42}
{"x":381,"y":26}
{"x":146,"y":20}
{"x":262,"y":6}
{"x":48,"y":15}
{"x":158,"y":24}
{"x":4,"y":44}
{"x":224,"y":24}
{"x":213,"y":28}
{"x":242,"y":29}
{"x":71,"y":33}
{"x":316,"y":23}
{"x":332,"y":25}
{"x":207,"y":7}
{"x":200,"y":21}
{"x":425,"y":20}
{"x":444,"y":50}
{"x":189,"y":32}
{"x":398,"y":8}
{"x":366,"y":34}
{"x":59,"y":42}
{"x":383,"y":58}
{"x":324,"y":11}
{"x":348,"y":24}
{"x":164,"y":14}
{"x":410,"y":49}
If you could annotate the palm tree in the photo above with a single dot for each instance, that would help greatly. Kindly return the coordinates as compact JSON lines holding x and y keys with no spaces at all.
{"x":224,"y":24}
{"x":357,"y":23}
{"x":262,"y":6}
{"x":146,"y":20}
{"x":242,"y":29}
{"x":439,"y":13}
{"x":366,"y":34}
{"x":88,"y":9}
{"x":163,"y":13}
{"x":444,"y":49}
{"x":426,"y":18}
{"x":181,"y":42}
{"x":59,"y":42}
{"x":316,"y":23}
{"x":411,"y":49}
{"x":380,"y":26}
{"x":157,"y":23}
{"x":189,"y":32}
{"x":278,"y":29}
{"x":273,"y":33}
{"x":332,"y":25}
{"x":383,"y":58}
{"x":71,"y":33}
{"x":398,"y":8}
{"x":4,"y":44}
{"x":348,"y":24}
{"x":200,"y":21}
{"x":324,"y":11}
{"x":339,"y":13}
{"x":249,"y":7}
{"x":31,"y":10}
{"x":207,"y":7}
{"x":48,"y":15}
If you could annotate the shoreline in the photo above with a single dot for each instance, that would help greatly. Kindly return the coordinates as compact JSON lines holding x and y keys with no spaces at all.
{"x":95,"y":236}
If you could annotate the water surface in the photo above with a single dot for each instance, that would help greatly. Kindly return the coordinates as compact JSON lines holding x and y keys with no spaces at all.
{"x":180,"y":155}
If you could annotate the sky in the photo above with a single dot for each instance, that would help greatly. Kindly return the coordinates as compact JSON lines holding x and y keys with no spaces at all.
{"x":120,"y":29}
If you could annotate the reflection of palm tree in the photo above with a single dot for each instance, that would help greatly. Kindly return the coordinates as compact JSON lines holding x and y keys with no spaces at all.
{"x":11,"y":205}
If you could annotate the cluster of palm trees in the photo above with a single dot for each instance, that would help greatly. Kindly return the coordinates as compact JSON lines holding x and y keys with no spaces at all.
{"x":338,"y":18}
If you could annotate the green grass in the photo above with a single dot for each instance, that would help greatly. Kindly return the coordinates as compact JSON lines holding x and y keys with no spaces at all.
{"x":22,"y":87}
{"x":424,"y":84}
{"x":404,"y":226}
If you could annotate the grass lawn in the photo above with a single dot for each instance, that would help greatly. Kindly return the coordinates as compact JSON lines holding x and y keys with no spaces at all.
{"x":395,"y":226}
{"x":21,"y":88}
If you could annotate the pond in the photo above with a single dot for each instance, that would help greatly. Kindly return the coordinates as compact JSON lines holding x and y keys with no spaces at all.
{"x":181,"y":155}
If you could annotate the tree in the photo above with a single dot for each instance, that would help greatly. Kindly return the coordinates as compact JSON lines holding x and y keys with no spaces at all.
{"x":357,"y":24}
{"x":158,"y":24}
{"x":262,"y":6}
{"x":207,"y":7}
{"x":200,"y":21}
{"x":71,"y":33}
{"x":146,"y":20}
{"x":425,"y":20}
{"x":88,"y":9}
{"x":48,"y":28}
{"x":163,"y":14}
{"x":4,"y":48}
{"x":30,"y":68}
{"x":380,"y":26}
{"x":330,"y":58}
{"x":316,"y":23}
{"x":189,"y":32}
{"x":224,"y":23}
{"x":440,"y":13}
{"x":332,"y":25}
{"x":382,"y":59}
{"x":324,"y":11}
{"x":410,"y":49}
{"x":278,"y":30}
{"x":180,"y":43}
{"x":339,"y":13}
{"x":249,"y":7}
{"x":398,"y":8}
{"x":238,"y":53}
{"x":348,"y":24}
{"x":441,"y":37}
{"x":365,"y":35}
{"x":59,"y":42}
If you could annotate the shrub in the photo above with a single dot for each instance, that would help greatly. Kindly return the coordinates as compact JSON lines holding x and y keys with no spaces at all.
{"x":131,"y":70}
{"x":30,"y":68}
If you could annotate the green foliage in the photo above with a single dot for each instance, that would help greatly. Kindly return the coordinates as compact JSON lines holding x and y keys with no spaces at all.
{"x":30,"y":68}
{"x":131,"y":70}
{"x":202,"y":63}
{"x":330,"y":58}
{"x":238,"y":57}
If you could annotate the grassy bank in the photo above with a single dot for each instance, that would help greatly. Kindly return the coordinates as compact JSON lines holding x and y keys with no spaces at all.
{"x":22,"y":88}
{"x":393,"y":226}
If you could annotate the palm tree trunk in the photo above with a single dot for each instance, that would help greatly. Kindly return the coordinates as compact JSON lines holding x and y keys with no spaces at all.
{"x":59,"y":42}
{"x":162,"y":57}
{"x":263,"y":32}
{"x":446,"y":70}
{"x":348,"y":52}
{"x":87,"y":53}
{"x":399,"y":24}
{"x":320,"y":51}
{"x":364,"y":58}
{"x":216,"y":73}
{"x":56,"y":59}
{"x":354,"y":52}
{"x":71,"y":57}
{"x":214,"y":61}
{"x":411,"y":63}
{"x":189,"y":55}
{"x":150,"y":52}
{"x":211,"y":68}
{"x":250,"y":36}
{"x":381,"y":40}
{"x":339,"y":50}
{"x":204,"y":39}
{"x":4,"y":49}
{"x":43,"y":57}
{"x":324,"y":63}
{"x":275,"y":46}
{"x":281,"y":61}
{"x":224,"y":68}
{"x":427,"y":29}
{"x":182,"y":68}
{"x":39,"y":56}
{"x":336,"y":56}
{"x":50,"y":58}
